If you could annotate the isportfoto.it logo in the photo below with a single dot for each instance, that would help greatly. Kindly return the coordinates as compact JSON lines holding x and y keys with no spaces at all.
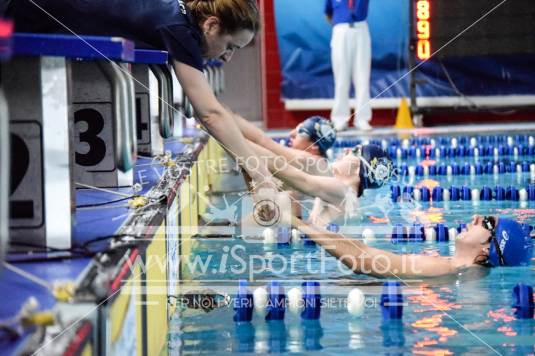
{"x":266,"y":209}
{"x":266,"y":213}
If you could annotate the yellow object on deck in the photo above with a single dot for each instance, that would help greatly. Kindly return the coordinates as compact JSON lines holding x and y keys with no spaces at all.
{"x":64,"y":292}
{"x":138,"y":202}
{"x":404,"y":117}
{"x":40,"y":319}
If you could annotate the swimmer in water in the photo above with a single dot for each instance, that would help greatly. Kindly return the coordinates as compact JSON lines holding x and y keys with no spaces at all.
{"x":488,"y":242}
{"x":360,"y":168}
{"x":309,"y":142}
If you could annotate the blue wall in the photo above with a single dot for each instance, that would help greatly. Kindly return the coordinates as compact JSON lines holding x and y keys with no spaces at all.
{"x":304,"y":35}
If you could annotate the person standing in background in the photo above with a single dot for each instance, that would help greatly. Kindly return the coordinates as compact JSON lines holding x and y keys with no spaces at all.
{"x":351,"y":57}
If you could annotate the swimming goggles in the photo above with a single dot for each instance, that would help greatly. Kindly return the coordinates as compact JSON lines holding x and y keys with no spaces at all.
{"x":489,"y":223}
{"x":301,"y":131}
{"x":357,"y":151}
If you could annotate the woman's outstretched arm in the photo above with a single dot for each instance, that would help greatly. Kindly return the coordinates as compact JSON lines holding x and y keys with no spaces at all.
{"x":219,"y":122}
{"x":297,"y":158}
{"x":364,"y":259}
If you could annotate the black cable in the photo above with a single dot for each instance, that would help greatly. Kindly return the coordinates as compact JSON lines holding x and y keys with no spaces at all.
{"x":41,"y":248}
{"x":474,"y":106}
{"x":103,"y":238}
{"x":76,"y":251}
{"x":160,"y":199}
{"x":48,"y":258}
{"x":72,"y":256}
{"x":105,"y":203}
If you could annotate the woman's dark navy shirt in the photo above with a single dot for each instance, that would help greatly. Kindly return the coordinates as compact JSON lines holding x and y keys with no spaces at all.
{"x":157,"y":24}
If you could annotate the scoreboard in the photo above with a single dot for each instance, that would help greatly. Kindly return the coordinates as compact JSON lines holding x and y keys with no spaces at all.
{"x":423,"y":29}
{"x":460,"y":28}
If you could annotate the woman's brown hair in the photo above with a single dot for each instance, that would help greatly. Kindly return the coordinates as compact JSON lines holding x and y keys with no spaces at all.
{"x":234,"y":15}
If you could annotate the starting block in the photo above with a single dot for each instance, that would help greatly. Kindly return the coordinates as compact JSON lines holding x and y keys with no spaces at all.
{"x":154,"y":100}
{"x":217,"y":76}
{"x":38,"y":87}
{"x":209,"y":74}
{"x":178,"y":98}
{"x":5,"y":54}
{"x":213,"y":70}
{"x":104,"y":114}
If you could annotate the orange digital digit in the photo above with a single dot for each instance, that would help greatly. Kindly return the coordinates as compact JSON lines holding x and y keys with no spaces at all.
{"x":423,"y":10}
{"x":423,"y":29}
{"x":424,"y":49}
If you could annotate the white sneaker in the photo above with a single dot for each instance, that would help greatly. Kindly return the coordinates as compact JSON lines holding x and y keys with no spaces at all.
{"x":363,"y":125}
{"x":340,"y":126}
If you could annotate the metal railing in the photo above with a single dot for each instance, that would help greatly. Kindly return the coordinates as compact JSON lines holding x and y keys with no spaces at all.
{"x":165,"y":106}
{"x":4,"y":175}
{"x":124,"y":115}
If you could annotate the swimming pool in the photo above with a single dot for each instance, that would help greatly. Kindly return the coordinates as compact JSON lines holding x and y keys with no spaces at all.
{"x":470,"y":313}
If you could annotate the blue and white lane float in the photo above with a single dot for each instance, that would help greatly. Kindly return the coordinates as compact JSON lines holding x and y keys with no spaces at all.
{"x":305,"y":301}
{"x":466,"y":169}
{"x":436,"y":142}
{"x":448,"y":152}
{"x":463,"y":193}
{"x":243,"y":303}
{"x":446,"y":141}
{"x":449,"y":141}
{"x":392,"y":301}
{"x":523,"y":304}
{"x":297,"y":236}
{"x":276,"y":306}
{"x":415,"y":232}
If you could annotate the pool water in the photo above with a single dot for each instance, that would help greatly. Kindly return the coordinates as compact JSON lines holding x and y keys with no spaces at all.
{"x":469,"y":313}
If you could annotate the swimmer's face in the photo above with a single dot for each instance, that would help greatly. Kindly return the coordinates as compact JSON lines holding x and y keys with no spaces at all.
{"x":476,"y":237}
{"x":298,"y":141}
{"x":221,"y":45}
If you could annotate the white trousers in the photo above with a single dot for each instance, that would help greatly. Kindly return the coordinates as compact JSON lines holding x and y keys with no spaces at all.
{"x":351,"y":56}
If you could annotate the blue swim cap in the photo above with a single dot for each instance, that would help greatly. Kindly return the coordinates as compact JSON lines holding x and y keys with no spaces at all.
{"x":376,"y":167}
{"x":514,"y":243}
{"x":320,"y":131}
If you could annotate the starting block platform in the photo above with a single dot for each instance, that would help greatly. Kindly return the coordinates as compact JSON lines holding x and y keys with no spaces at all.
{"x":103,"y":193}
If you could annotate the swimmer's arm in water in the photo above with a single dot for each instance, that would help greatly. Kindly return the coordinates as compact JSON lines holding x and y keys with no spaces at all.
{"x":361,"y":258}
{"x":328,"y":189}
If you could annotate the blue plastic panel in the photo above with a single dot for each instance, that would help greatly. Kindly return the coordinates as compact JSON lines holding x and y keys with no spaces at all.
{"x":6,"y":28}
{"x":147,"y":56}
{"x":21,"y":289}
{"x":83,"y":47}
{"x":91,"y":223}
{"x":100,"y":221}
